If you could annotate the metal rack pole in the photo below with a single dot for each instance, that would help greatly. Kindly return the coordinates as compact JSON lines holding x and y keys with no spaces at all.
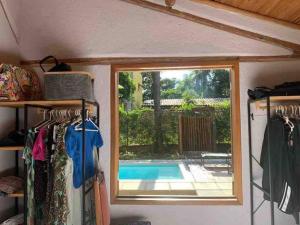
{"x":269,"y":162}
{"x":250,"y":161}
{"x":25,"y":166}
{"x":98,"y":122}
{"x":83,"y":116}
{"x":252,"y":184}
{"x":17,"y":161}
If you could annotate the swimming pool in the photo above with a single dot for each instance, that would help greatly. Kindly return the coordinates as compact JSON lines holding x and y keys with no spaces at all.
{"x":149,"y":171}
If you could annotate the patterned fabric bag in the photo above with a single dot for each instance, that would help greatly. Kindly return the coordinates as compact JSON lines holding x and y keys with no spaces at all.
{"x":17,"y":84}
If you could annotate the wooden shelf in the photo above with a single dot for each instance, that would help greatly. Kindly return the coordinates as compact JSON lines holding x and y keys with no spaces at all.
{"x":261,"y":104}
{"x":11,"y":148}
{"x":16,"y":195}
{"x":21,"y":104}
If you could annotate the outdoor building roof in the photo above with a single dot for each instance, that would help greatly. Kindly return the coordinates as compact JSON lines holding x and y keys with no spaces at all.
{"x":177,"y":102}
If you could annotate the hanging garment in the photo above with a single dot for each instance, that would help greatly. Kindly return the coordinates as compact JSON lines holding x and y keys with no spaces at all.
{"x":58,"y":211}
{"x":74,"y":196}
{"x":74,"y":144}
{"x":29,"y":161}
{"x":40,"y":189}
{"x":39,"y":148}
{"x":53,"y":197}
{"x":50,"y":148}
{"x":283,"y":146}
{"x":101,"y":199}
{"x":73,"y":199}
{"x":40,"y":174}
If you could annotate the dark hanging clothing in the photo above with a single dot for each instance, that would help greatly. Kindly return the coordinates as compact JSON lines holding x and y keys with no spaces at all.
{"x":284,"y":146}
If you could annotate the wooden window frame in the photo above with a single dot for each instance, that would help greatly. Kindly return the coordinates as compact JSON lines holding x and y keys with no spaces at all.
{"x":237,"y":199}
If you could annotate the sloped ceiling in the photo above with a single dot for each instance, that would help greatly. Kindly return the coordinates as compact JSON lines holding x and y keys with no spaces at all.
{"x":238,"y":20}
{"x":287,"y":10}
{"x":9,"y":50}
{"x":95,"y":28}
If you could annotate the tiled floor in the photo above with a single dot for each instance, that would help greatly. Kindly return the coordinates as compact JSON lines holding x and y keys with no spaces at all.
{"x":197,"y":181}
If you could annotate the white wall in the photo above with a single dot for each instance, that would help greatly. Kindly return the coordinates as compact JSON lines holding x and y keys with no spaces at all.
{"x":9,"y":53}
{"x":95,"y":28}
{"x":251,"y":75}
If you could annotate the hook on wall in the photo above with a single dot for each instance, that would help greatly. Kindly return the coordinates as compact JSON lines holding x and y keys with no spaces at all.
{"x":170,"y":3}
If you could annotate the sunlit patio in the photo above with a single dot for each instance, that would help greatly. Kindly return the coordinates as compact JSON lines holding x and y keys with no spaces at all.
{"x":197,"y":179}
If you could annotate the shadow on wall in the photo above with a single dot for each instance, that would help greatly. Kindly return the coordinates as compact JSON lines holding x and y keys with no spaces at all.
{"x":57,"y":49}
{"x":272,"y":79}
{"x":6,"y":212}
{"x":126,"y":220}
{"x":10,"y":58}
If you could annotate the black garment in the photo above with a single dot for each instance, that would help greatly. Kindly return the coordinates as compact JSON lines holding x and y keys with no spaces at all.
{"x":50,"y":174}
{"x":284,"y":146}
{"x":285,"y":89}
{"x":14,"y":138}
{"x":40,"y":181}
{"x":40,"y":188}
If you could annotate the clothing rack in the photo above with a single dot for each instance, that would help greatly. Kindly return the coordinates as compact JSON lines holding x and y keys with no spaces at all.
{"x":84,"y":105}
{"x":264,"y":104}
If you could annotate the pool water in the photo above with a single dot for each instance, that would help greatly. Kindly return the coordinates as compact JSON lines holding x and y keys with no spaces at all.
{"x":149,"y":172}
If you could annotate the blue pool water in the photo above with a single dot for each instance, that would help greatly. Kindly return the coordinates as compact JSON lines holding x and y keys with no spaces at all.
{"x":149,"y":171}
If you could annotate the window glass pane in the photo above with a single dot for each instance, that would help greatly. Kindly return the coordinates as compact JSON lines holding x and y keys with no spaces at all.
{"x":175,"y":133}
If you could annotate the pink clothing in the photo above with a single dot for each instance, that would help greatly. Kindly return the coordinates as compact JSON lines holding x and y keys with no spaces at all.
{"x":101,"y":201}
{"x":104,"y":203}
{"x":39,"y":148}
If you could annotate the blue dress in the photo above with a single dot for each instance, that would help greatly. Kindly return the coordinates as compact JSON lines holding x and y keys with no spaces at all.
{"x":73,"y":140}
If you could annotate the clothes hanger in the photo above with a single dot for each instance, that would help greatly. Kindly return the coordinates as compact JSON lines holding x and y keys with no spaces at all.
{"x":291,"y":111}
{"x":78,"y":119}
{"x":88,"y":119}
{"x":43,"y":123}
{"x":287,"y":120}
{"x":54,"y":117}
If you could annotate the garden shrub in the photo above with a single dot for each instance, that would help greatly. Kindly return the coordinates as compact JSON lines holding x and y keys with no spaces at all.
{"x":137,"y":125}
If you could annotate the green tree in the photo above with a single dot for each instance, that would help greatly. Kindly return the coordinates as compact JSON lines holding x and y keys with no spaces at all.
{"x":187,"y":84}
{"x":167,"y":84}
{"x":158,"y":140}
{"x":168,"y":89}
{"x":147,"y":85}
{"x":219,"y":84}
{"x":201,"y":79}
{"x":171,"y":94}
{"x":126,"y":86}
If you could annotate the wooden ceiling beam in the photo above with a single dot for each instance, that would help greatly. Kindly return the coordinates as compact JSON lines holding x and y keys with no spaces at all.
{"x":142,"y":60}
{"x":170,"y":3}
{"x":295,"y":48}
{"x":244,"y":12}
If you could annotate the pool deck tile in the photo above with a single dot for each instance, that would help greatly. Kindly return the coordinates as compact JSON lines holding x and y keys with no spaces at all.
{"x":197,"y":180}
{"x":181,"y":186}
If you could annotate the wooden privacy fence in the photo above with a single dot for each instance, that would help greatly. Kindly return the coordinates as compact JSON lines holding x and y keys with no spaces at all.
{"x":196,"y":133}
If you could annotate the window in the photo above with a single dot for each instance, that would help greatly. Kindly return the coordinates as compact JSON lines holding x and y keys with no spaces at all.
{"x":176,"y":134}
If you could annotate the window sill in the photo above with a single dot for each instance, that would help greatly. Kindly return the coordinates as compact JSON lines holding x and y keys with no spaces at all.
{"x":175,"y":201}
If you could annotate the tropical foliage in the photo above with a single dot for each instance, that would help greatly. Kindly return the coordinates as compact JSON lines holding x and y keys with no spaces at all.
{"x":138,"y":126}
